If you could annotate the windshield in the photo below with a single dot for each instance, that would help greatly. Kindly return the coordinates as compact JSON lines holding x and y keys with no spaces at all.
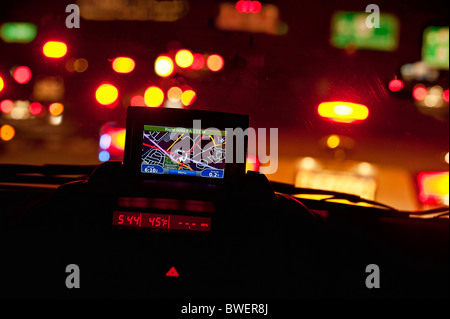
{"x":356,"y":95}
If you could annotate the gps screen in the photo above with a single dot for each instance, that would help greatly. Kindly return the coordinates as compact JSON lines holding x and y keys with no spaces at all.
{"x":183,"y":151}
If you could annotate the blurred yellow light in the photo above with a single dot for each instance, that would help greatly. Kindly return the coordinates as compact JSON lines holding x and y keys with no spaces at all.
{"x":251,"y":164}
{"x":333,"y":141}
{"x":188,"y":97}
{"x":435,"y":184}
{"x":106,"y":94}
{"x":153,"y":96}
{"x":174,"y":94}
{"x":214,"y":62}
{"x":80,"y":65}
{"x":56,"y":109}
{"x":163,"y":66}
{"x":54,"y":49}
{"x":343,"y":112}
{"x":2,"y":84}
{"x":118,"y":139}
{"x":184,"y":58}
{"x":7,"y":132}
{"x":123,"y":65}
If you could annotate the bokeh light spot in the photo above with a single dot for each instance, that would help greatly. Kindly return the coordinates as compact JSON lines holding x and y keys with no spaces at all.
{"x":54,"y":49}
{"x":153,"y":96}
{"x":106,"y":94}
{"x":164,"y":66}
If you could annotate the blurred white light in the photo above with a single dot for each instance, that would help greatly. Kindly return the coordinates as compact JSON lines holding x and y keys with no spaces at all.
{"x":308,"y":163}
{"x":407,"y":71}
{"x":105,"y":141}
{"x":445,"y":200}
{"x":173,"y":105}
{"x":431,"y":100}
{"x":447,"y":160}
{"x":20,"y":110}
{"x":55,"y":120}
{"x":420,"y":70}
{"x":365,"y":169}
{"x":436,"y":90}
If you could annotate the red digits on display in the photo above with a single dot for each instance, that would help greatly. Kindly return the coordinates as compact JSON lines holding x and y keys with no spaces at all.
{"x":162,"y":221}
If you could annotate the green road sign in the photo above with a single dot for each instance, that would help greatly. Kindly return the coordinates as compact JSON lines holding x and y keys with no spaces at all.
{"x":349,"y":30}
{"x":18,"y":32}
{"x":435,"y":47}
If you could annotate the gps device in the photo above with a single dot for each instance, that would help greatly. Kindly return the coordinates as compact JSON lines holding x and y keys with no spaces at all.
{"x":177,"y":164}
{"x":185,"y":145}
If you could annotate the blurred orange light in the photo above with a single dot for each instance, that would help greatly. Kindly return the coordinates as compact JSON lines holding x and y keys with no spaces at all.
{"x":395,"y":85}
{"x":56,"y":109}
{"x":2,"y":84}
{"x":188,"y":97}
{"x":6,"y":106}
{"x":333,"y":141}
{"x":54,"y":49}
{"x":444,"y":95}
{"x":163,"y":66}
{"x":420,"y":92}
{"x":35,"y":108}
{"x":215,"y":62}
{"x":433,"y":186}
{"x":343,"y":112}
{"x":22,"y":74}
{"x":7,"y":132}
{"x":137,"y":100}
{"x":174,"y":94}
{"x":184,"y":58}
{"x":153,"y":96}
{"x":80,"y":65}
{"x":198,"y":63}
{"x":106,"y":94}
{"x":123,"y":65}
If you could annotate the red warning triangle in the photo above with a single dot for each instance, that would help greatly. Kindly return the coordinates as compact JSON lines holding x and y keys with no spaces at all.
{"x":172,"y":273}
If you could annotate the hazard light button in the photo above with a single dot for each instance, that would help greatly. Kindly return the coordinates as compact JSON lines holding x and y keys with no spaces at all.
{"x":172,"y":273}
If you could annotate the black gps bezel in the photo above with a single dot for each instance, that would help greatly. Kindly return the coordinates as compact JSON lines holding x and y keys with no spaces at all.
{"x":138,"y":116}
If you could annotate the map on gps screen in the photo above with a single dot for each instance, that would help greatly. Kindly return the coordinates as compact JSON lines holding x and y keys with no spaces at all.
{"x":183,"y":151}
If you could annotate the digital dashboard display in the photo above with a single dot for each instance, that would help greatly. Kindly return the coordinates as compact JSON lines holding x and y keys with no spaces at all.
{"x":161,"y":221}
{"x":183,"y":151}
